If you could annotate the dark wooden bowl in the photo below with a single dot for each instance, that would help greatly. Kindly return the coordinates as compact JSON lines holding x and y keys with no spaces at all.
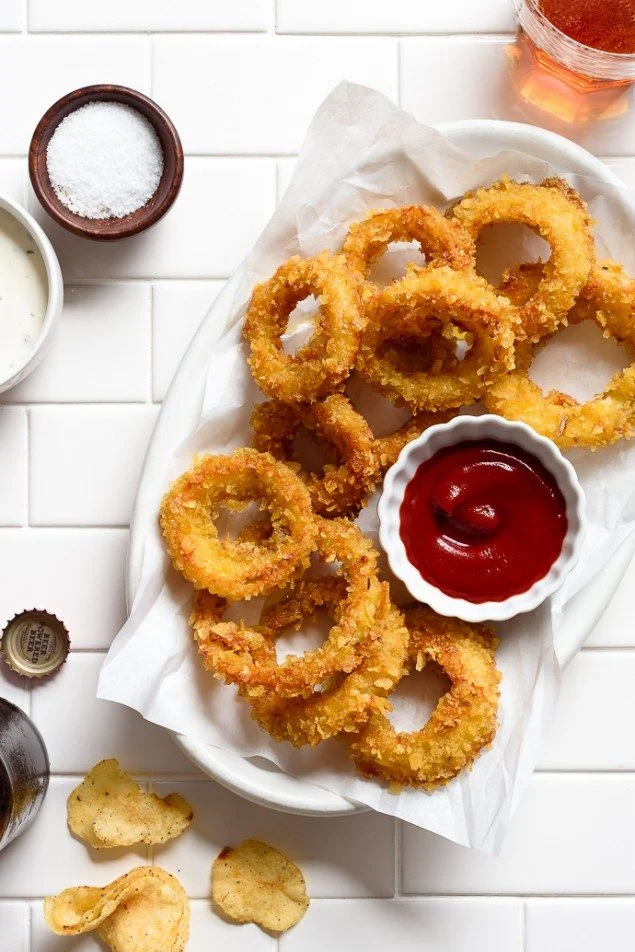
{"x":107,"y":229}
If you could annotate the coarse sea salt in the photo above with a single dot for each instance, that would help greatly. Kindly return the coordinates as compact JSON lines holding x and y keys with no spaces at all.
{"x":104,"y":160}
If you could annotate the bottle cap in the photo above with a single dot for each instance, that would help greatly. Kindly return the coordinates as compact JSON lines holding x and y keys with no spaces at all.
{"x":35,"y":643}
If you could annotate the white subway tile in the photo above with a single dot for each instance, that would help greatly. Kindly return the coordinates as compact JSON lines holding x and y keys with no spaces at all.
{"x":448,"y":78}
{"x":80,"y":730}
{"x":100,"y":349}
{"x":12,"y":15}
{"x":593,"y":726}
{"x":580,"y":925}
{"x":178,"y":309}
{"x":13,"y":688}
{"x":78,"y":574}
{"x":257,"y":94}
{"x":573,"y":833}
{"x":13,"y":471}
{"x":13,"y":175}
{"x":38,"y":70}
{"x":613,"y":627}
{"x":86,"y":462}
{"x":14,"y":926}
{"x":143,"y":15}
{"x":46,"y":859}
{"x":209,"y":931}
{"x":400,"y":16}
{"x":347,"y":856}
{"x":426,"y":925}
{"x":223,"y":206}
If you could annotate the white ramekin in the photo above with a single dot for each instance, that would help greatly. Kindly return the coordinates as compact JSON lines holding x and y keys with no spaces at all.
{"x":55,"y":299}
{"x":459,"y":429}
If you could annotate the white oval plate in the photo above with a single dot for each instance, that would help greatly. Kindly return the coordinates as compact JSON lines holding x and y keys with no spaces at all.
{"x":258,"y":780}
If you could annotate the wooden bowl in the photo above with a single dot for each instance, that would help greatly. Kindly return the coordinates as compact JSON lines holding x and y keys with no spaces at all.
{"x":107,"y":229}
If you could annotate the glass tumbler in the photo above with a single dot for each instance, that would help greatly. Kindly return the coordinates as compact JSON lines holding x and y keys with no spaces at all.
{"x":24,"y":771}
{"x":557,"y":75}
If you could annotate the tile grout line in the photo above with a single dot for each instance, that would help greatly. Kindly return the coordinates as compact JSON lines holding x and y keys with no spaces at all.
{"x":398,"y":857}
{"x":523,"y":926}
{"x":150,"y":349}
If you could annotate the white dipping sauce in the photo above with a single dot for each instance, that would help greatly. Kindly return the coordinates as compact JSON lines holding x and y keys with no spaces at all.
{"x":23,"y":294}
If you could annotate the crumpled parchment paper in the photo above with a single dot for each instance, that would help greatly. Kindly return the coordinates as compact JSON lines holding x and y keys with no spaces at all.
{"x":362,"y":152}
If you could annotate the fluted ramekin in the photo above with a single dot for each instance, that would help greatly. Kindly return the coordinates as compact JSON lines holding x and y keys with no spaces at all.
{"x":458,"y":430}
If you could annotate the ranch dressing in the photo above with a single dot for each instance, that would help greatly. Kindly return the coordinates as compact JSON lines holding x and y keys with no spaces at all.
{"x":23,"y":294}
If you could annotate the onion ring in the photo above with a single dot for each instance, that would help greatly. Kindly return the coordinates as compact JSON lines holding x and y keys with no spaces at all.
{"x":341,"y":489}
{"x":422,"y":300}
{"x":325,"y":361}
{"x":387,"y":448}
{"x":558,"y":215}
{"x":237,"y":654}
{"x":464,"y":720}
{"x":344,"y":705}
{"x":238,"y":568}
{"x":441,"y":240}
{"x":608,"y":299}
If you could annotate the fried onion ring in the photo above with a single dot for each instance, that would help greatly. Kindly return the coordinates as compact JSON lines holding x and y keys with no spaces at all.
{"x":464,"y":720}
{"x":558,"y":215}
{"x":345,"y":704}
{"x":341,"y":489}
{"x":240,"y":568}
{"x":326,"y":360}
{"x":608,"y":299}
{"x":238,"y":654}
{"x":419,"y":303}
{"x":441,"y":240}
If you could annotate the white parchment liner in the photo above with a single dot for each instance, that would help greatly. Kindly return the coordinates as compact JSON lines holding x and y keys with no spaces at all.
{"x":362,"y":152}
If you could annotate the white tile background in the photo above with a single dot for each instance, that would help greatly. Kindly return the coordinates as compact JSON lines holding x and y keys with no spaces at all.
{"x":241,"y":79}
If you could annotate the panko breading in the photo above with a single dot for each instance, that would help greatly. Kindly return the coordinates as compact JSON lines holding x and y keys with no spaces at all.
{"x":239,"y":568}
{"x":346,"y":704}
{"x":464,"y":720}
{"x":558,"y":214}
{"x":326,"y":360}
{"x":420,"y":302}
{"x":241,"y":655}
{"x":342,"y":488}
{"x":608,"y":299}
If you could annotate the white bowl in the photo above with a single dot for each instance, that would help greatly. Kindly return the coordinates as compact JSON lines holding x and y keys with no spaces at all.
{"x":55,"y":300}
{"x":459,"y":430}
{"x":264,"y":783}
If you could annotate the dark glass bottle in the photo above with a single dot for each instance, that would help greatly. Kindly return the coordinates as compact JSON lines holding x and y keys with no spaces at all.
{"x":24,"y":771}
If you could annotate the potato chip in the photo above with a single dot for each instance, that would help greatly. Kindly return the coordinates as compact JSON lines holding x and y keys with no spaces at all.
{"x":256,"y":883}
{"x":147,"y":910}
{"x":110,"y":809}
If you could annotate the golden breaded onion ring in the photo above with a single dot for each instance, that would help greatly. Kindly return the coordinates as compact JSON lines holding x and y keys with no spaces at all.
{"x":441,"y":240}
{"x":464,"y":720}
{"x":345,"y":704}
{"x":325,"y":361}
{"x":608,"y":299}
{"x":238,"y":568}
{"x":239,"y":654}
{"x":341,"y":489}
{"x":558,"y":215}
{"x":419,"y":303}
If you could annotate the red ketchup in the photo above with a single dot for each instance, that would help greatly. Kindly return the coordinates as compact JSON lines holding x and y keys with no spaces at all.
{"x":483,"y":520}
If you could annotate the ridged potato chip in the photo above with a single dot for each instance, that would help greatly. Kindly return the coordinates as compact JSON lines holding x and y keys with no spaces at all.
{"x":110,"y":809}
{"x":147,"y":910}
{"x":256,"y":883}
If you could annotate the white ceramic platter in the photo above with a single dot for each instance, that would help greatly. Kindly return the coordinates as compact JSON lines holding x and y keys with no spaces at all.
{"x":258,"y":780}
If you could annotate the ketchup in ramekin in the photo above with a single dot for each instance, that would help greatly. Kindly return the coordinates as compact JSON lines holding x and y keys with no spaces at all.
{"x":483,"y":520}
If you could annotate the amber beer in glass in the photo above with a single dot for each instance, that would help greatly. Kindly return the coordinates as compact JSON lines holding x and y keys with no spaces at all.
{"x":575,"y":59}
